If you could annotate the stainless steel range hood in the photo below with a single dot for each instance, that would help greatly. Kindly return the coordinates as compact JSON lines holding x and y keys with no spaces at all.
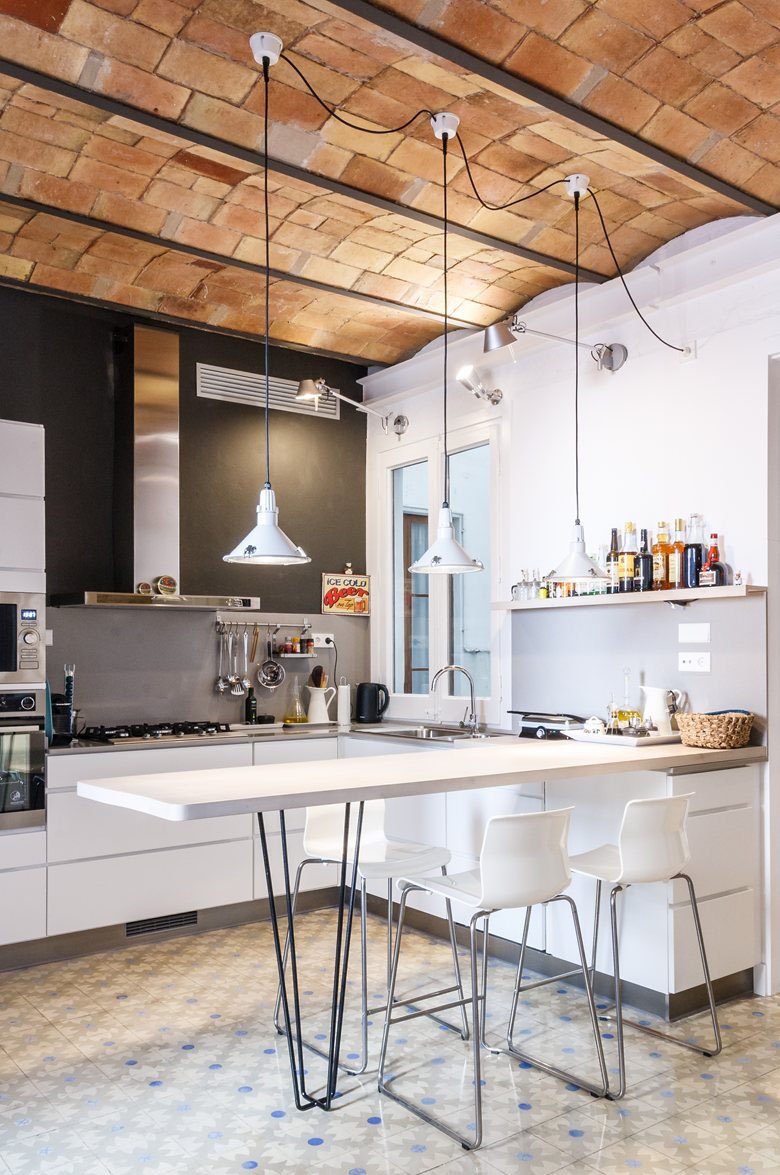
{"x":156,"y":484}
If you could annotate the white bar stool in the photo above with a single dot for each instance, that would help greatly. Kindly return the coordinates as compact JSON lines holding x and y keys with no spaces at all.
{"x":652,"y":846}
{"x":380,"y":859}
{"x":523,"y":863}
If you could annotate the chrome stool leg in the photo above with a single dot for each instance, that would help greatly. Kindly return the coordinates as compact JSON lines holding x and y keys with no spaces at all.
{"x":467,"y":1143}
{"x":512,"y":1050}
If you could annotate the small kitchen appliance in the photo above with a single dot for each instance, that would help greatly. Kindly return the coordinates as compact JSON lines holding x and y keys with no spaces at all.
{"x":22,"y":641}
{"x":22,"y":758}
{"x":371,"y":700}
{"x":539,"y":725}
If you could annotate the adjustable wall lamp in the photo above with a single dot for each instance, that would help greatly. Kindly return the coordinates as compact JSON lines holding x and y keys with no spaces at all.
{"x":607,"y":356}
{"x":314,"y":389}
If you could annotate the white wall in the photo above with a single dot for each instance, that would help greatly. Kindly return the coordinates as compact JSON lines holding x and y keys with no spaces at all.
{"x":665,"y":436}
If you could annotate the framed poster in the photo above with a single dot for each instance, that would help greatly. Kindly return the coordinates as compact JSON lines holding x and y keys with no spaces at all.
{"x":346,"y":595}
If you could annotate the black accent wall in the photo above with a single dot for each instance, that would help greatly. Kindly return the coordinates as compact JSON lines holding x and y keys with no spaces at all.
{"x":69,"y":368}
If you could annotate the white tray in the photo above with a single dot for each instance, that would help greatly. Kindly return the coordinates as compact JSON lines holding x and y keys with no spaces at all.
{"x":626,"y":740}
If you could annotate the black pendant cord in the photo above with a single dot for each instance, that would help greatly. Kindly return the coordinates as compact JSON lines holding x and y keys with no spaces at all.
{"x":266,"y":64}
{"x":577,"y":353}
{"x":446,"y":330}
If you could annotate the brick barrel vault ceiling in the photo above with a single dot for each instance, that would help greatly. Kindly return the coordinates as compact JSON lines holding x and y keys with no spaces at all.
{"x":45,"y":250}
{"x":189,"y":61}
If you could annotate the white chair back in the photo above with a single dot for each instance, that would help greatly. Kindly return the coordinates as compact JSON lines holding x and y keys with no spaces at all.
{"x":653,"y":839}
{"x":323,"y":834}
{"x":524,"y":859}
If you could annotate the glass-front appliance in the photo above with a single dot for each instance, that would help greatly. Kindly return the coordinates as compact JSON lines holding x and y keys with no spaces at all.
{"x":22,"y":640}
{"x":22,"y":767}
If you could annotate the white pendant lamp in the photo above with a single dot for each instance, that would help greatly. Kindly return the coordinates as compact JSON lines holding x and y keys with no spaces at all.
{"x":577,"y":565}
{"x":445,"y":556}
{"x":266,"y":542}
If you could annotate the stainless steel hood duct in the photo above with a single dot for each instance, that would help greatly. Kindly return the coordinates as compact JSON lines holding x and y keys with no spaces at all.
{"x":156,"y":482}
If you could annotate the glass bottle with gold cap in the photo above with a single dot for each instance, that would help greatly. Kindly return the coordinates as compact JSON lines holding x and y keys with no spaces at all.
{"x":676,"y":555}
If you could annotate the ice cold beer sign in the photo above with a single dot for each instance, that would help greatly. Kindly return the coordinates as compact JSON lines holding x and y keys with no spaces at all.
{"x":346,"y":595}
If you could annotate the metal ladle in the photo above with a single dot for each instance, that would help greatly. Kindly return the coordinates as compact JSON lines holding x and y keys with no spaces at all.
{"x":270,"y":674}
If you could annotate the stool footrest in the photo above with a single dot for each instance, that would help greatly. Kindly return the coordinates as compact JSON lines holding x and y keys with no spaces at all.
{"x":429,"y":1011}
{"x":704,"y":1050}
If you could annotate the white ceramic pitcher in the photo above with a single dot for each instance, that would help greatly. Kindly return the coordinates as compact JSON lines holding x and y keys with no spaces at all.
{"x":660,"y":704}
{"x":319,"y":700}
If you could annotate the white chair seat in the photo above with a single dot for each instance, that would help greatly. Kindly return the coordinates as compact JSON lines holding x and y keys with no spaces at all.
{"x":459,"y":887}
{"x":602,"y":863}
{"x":382,"y":858}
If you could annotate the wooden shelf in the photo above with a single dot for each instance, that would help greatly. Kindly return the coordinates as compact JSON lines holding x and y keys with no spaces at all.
{"x":675,"y":596}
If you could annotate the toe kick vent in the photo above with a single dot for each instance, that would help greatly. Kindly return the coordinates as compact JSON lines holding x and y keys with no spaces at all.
{"x":169,"y":922}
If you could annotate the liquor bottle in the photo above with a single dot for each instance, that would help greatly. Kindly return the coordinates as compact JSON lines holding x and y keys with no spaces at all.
{"x":677,"y":555}
{"x":627,"y":558}
{"x":613,"y":564}
{"x":692,"y":556}
{"x":713,"y":573}
{"x":662,"y":548}
{"x":643,"y":566}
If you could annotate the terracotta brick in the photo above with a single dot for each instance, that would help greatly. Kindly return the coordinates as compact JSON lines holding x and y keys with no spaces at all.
{"x":330,"y":271}
{"x":171,"y":273}
{"x":134,"y":159}
{"x":383,"y":46}
{"x":675,"y":131}
{"x":339,"y":57}
{"x":113,"y":247}
{"x":621,"y":103}
{"x":104,"y":177}
{"x":766,"y":9}
{"x":207,"y":236}
{"x":443,"y":77}
{"x":63,"y":279}
{"x":548,"y":64}
{"x":756,"y":80}
{"x":329,"y":160}
{"x":411,"y":271}
{"x":765,"y":184}
{"x":295,"y":236}
{"x":55,"y":192}
{"x":719,"y":107}
{"x":658,"y":19}
{"x":372,"y":176}
{"x":41,"y":156}
{"x":46,"y":14}
{"x":183,"y":308}
{"x":215,"y":168}
{"x":223,"y":120}
{"x":715,"y":58}
{"x":120,"y":7}
{"x":731,"y":162}
{"x":687,"y":41}
{"x":424,"y":160}
{"x":115,"y":271}
{"x":548,"y":17}
{"x":357,"y":140}
{"x":506,"y":161}
{"x":738,"y":28}
{"x":421,"y":95}
{"x":605,"y":41}
{"x":41,"y":50}
{"x":289,"y":106}
{"x":667,"y":77}
{"x":164,"y":195}
{"x":332,"y":87}
{"x":360,"y":256}
{"x":140,"y":89}
{"x":538,"y":147}
{"x":494,"y":188}
{"x":124,"y":295}
{"x":217,"y":37}
{"x":163,"y":15}
{"x":46,"y":130}
{"x":375,"y":238}
{"x":112,"y":35}
{"x":290,"y":19}
{"x":491,"y":35}
{"x":762,"y":137}
{"x":193,"y":67}
{"x":15,"y":267}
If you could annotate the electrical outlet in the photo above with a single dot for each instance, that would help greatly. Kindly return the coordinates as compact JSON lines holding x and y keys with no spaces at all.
{"x":694,"y":662}
{"x":322,"y":640}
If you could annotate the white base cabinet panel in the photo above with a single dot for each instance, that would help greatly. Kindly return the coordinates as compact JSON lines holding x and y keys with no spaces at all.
{"x":65,"y":771}
{"x":20,"y":848}
{"x":88,"y":894}
{"x":22,"y":905}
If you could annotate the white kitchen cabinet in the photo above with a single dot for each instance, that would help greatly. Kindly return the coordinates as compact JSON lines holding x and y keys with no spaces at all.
{"x":102,"y":892}
{"x":22,"y":847}
{"x":22,"y":905}
{"x":21,"y":458}
{"x":65,"y":770}
{"x":22,"y":510}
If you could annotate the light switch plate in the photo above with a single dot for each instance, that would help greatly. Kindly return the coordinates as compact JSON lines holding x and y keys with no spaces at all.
{"x":693,"y":634}
{"x":694,"y":662}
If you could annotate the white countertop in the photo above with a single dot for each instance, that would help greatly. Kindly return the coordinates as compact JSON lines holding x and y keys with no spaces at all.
{"x":192,"y":795}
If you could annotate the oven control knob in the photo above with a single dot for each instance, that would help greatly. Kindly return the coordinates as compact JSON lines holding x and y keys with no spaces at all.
{"x":30,"y":637}
{"x":27,"y":702}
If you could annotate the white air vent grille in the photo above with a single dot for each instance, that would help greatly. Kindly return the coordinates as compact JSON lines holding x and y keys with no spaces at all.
{"x":247,"y":387}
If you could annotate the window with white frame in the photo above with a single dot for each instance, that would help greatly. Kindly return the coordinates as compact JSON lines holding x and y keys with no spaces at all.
{"x":411,"y":668}
{"x":469,"y":610}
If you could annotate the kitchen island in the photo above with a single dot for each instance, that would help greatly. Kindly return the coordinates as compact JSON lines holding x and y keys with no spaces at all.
{"x":602,"y":779}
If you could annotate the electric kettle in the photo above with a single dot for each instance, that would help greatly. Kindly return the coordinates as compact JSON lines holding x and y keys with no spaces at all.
{"x":371,"y":701}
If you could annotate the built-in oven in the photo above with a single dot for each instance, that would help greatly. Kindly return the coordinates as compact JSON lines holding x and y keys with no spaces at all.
{"x":22,"y":776}
{"x":22,"y":640}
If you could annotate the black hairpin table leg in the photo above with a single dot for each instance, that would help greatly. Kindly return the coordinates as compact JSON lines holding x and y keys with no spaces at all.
{"x":346,"y":908}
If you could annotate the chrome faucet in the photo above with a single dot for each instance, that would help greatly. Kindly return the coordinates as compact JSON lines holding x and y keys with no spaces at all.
{"x":470,"y":718}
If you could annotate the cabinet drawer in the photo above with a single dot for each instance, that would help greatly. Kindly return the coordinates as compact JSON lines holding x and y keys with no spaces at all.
{"x":87,"y":894}
{"x":724,"y":853}
{"x":79,"y":828}
{"x":22,"y":533}
{"x":21,"y":467}
{"x":66,"y":770}
{"x":717,"y":789}
{"x":18,"y":849}
{"x":729,"y":925}
{"x":22,"y":905}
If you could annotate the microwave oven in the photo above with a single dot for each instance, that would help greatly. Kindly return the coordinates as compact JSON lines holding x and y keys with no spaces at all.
{"x":22,"y":640}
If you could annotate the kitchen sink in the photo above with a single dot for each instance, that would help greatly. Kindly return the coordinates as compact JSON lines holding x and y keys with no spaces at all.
{"x":440,"y":734}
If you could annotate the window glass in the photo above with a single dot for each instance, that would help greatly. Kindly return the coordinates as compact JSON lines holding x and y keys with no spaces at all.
{"x":469,"y":641}
{"x":411,"y":669}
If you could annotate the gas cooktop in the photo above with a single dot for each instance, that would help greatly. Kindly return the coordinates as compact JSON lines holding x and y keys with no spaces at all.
{"x":141,"y":732}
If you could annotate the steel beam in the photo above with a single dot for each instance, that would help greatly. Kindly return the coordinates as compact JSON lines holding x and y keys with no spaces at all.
{"x":430,"y":43}
{"x":292,"y":171}
{"x":175,"y":320}
{"x":230,"y":262}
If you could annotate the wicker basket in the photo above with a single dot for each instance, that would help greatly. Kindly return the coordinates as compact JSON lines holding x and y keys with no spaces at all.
{"x":715,"y":730}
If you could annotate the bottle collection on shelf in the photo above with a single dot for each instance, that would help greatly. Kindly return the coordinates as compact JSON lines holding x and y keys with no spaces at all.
{"x":670,"y":562}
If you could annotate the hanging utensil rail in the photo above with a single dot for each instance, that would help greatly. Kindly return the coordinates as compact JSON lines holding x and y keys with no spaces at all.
{"x":250,"y":619}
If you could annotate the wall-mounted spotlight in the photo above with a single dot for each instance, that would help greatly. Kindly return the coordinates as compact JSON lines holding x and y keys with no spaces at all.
{"x":315,"y":389}
{"x":607,"y":356}
{"x":468,"y":377}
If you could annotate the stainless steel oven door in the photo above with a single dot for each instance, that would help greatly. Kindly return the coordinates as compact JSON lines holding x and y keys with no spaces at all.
{"x":22,"y":777}
{"x":22,"y":639}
